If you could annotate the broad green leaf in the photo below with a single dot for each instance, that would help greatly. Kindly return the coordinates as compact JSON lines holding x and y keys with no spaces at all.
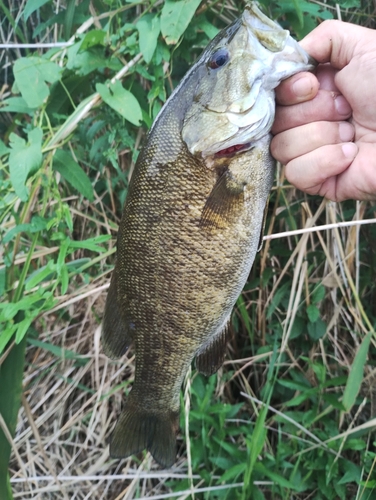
{"x":37,"y":224}
{"x":148,"y":29}
{"x":356,"y":374}
{"x":40,"y":274}
{"x":318,"y":294}
{"x":313,"y":313}
{"x":83,"y":63}
{"x":22,"y":328}
{"x":175,"y":18}
{"x":31,"y":75}
{"x":24,"y":160}
{"x":73,"y":173}
{"x":92,"y":38}
{"x":16,"y":105}
{"x":317,"y":329}
{"x":31,"y":6}
{"x":121,"y":100}
{"x":353,"y":473}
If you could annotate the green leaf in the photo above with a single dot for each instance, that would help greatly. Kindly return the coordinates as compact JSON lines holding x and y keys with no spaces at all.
{"x":92,"y":38}
{"x":175,"y":18}
{"x":356,"y":374}
{"x":37,"y":224}
{"x":209,"y":30}
{"x":278,"y":479}
{"x":73,"y":173}
{"x":56,"y":350}
{"x":91,"y":243}
{"x":317,"y":329}
{"x":22,"y":328}
{"x":40,"y":274}
{"x":299,"y":12}
{"x":3,"y":280}
{"x":31,"y":6}
{"x":68,"y":17}
{"x":15,"y":105}
{"x":148,"y":29}
{"x":121,"y":100}
{"x":313,"y":313}
{"x":24,"y":160}
{"x":83,"y":63}
{"x":233,"y":472}
{"x":31,"y":75}
{"x":318,"y":294}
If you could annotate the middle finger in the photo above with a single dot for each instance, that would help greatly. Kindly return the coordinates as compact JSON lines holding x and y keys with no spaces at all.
{"x":326,"y":106}
{"x":296,"y":142}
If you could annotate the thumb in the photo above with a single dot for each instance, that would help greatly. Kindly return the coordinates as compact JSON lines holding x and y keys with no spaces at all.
{"x":337,"y":42}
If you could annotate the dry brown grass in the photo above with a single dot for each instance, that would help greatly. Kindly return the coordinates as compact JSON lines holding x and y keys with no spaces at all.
{"x":70,"y":405}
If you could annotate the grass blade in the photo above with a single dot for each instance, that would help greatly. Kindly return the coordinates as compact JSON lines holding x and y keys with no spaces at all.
{"x":356,"y":374}
{"x":11,"y":374}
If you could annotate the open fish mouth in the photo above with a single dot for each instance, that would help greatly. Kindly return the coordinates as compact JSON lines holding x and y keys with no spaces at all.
{"x":232,"y":150}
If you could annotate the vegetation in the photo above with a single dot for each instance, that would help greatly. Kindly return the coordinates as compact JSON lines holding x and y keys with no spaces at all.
{"x":292,"y":412}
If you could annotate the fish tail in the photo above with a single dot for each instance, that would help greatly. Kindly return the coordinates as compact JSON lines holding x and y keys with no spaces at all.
{"x":138,"y":429}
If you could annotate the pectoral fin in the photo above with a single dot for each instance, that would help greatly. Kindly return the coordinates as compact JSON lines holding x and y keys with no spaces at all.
{"x":225,"y":199}
{"x":211,"y":357}
{"x":115,"y":334}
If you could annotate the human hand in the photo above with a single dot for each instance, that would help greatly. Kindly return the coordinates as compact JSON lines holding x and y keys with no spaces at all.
{"x":318,"y":116}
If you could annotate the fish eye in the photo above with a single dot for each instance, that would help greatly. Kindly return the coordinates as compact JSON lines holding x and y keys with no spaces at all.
{"x":218,"y":59}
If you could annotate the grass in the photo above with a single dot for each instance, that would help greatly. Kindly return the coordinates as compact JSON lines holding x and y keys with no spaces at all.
{"x":291,"y":415}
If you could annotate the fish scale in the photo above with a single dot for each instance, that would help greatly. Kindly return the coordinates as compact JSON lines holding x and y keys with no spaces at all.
{"x":192,"y":224}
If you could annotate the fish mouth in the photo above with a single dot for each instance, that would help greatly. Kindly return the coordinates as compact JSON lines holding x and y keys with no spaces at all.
{"x":232,"y":150}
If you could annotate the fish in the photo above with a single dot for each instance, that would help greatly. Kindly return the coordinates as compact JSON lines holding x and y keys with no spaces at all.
{"x":192,"y":224}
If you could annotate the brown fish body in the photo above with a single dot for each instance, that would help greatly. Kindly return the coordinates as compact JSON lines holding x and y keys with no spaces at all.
{"x":189,"y":233}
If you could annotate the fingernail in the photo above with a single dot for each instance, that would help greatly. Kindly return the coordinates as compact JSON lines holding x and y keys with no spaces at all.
{"x":342,"y":106}
{"x":346,"y":131}
{"x":302,"y":87}
{"x":350,"y":150}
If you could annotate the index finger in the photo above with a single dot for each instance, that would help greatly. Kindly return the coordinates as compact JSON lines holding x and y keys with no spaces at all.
{"x":298,"y":88}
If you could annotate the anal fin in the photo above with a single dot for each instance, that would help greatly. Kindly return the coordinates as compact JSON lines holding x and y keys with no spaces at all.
{"x":115,"y":333}
{"x":210,"y":358}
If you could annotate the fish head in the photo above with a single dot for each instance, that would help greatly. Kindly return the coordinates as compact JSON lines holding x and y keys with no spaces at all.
{"x":233,"y":103}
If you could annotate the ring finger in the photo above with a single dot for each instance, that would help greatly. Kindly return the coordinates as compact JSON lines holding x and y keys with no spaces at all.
{"x":298,"y":141}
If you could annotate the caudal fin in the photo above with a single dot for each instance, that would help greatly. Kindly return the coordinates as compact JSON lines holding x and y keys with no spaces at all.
{"x":138,"y":429}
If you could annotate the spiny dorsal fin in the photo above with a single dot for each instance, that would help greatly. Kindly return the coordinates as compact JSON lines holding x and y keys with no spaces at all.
{"x":211,"y":357}
{"x":115,"y":335}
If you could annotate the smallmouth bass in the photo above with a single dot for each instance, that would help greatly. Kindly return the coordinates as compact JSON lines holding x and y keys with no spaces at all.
{"x":192,"y":224}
